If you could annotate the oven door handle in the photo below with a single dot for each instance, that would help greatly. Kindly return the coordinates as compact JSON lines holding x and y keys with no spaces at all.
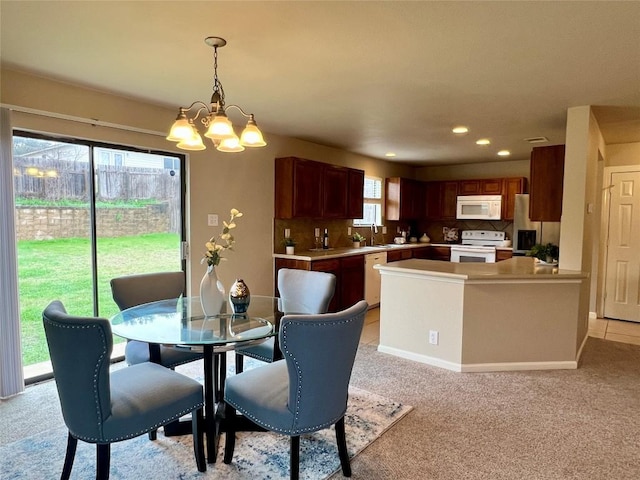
{"x":467,"y":250}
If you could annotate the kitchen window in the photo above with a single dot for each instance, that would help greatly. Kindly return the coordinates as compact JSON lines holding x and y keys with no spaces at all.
{"x":372,"y":209}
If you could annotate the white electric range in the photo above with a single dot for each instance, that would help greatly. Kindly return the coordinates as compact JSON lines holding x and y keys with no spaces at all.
{"x":477,"y":246}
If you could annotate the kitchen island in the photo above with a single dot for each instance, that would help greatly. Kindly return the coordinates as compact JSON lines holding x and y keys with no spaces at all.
{"x":473,"y":317}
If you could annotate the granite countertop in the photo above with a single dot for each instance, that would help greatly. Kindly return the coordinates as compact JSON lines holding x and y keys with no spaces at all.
{"x":524,"y":268}
{"x":310,"y":255}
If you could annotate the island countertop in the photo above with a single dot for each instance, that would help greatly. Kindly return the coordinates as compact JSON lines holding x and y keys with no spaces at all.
{"x":516,"y":268}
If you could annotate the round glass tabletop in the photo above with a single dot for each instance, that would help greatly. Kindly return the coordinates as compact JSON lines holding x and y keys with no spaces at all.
{"x":182,"y":322}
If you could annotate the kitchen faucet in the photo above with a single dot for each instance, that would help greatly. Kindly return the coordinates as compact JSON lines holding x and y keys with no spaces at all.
{"x":374,"y":231}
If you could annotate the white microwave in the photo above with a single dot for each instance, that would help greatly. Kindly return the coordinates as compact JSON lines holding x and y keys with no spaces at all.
{"x":479,"y":207}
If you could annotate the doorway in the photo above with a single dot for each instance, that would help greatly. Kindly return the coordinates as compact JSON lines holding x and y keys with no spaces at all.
{"x":622,"y":257}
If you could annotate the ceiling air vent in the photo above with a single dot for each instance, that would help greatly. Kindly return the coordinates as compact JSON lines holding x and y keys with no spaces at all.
{"x":536,"y":140}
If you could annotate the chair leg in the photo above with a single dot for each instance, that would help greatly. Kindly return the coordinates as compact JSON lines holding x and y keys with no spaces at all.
{"x":72,"y":443}
{"x":341,"y":439}
{"x":197,"y":420}
{"x":104,"y":461}
{"x":239,"y":363}
{"x":153,"y":435}
{"x":230,"y":432}
{"x":294,"y":459}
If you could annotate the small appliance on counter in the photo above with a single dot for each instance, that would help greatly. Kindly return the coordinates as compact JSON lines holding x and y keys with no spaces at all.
{"x":478,"y":246}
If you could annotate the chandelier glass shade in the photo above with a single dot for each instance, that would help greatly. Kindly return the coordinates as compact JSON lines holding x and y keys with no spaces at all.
{"x":213,"y":117}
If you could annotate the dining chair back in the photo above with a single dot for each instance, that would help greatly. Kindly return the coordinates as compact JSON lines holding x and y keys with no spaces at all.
{"x":133,"y":290}
{"x":309,"y":390}
{"x":302,"y":292}
{"x":101,"y":407}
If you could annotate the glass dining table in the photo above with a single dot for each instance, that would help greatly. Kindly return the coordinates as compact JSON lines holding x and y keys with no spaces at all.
{"x":181,"y":324}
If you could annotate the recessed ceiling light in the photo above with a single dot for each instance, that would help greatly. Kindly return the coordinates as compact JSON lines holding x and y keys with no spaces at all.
{"x":460,"y":130}
{"x":504,"y":153}
{"x":390,"y":154}
{"x":483,"y":141}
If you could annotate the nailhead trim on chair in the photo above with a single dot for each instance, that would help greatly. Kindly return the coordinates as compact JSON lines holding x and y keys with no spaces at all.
{"x":257,"y":357}
{"x":136,"y":434}
{"x":295,"y":431}
{"x":97,"y":399}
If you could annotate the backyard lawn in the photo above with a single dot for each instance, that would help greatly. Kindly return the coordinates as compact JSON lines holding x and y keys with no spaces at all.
{"x":61,"y":270}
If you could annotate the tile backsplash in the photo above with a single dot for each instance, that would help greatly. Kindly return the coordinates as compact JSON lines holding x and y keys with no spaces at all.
{"x":303,"y":231}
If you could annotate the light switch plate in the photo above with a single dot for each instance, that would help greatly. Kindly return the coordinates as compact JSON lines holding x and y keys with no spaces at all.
{"x":212,"y":220}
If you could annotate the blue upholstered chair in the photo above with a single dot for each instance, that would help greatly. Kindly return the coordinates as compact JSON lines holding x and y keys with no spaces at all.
{"x":301,"y":291}
{"x":103,"y":408}
{"x":309,"y":390}
{"x":132,"y":290}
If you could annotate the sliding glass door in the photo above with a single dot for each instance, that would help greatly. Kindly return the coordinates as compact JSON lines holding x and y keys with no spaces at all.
{"x":86,"y":213}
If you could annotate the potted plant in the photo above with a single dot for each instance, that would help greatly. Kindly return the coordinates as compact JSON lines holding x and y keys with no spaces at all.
{"x":356,"y":238}
{"x":289,"y":245}
{"x":547,"y":253}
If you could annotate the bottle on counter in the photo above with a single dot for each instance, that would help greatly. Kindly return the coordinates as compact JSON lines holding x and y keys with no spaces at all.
{"x":325,"y":239}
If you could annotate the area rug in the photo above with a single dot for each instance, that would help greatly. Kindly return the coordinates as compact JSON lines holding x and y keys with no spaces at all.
{"x":258,"y":455}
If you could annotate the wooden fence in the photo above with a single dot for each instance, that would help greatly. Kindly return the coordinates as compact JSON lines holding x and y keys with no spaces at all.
{"x":56,"y":180}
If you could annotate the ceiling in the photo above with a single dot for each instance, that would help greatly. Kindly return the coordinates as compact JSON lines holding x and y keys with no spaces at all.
{"x":366,"y":77}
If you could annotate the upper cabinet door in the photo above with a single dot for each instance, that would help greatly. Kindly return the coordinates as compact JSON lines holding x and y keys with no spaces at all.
{"x":336,"y":185}
{"x":546,"y":178}
{"x":298,"y":188}
{"x":404,"y":199}
{"x":511,"y":187}
{"x":355,"y":200}
{"x":309,"y":189}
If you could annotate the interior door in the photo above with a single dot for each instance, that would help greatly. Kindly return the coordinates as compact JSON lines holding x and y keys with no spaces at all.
{"x":622,"y":287}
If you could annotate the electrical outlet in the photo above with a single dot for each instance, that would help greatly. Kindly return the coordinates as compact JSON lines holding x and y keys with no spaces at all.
{"x":433,"y":337}
{"x":212,"y":220}
{"x":348,"y":230}
{"x":384,"y":230}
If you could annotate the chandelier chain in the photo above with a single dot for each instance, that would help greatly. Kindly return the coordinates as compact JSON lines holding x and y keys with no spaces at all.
{"x":217,"y":86}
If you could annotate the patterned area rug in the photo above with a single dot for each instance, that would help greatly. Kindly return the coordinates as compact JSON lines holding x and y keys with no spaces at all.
{"x":258,"y":455}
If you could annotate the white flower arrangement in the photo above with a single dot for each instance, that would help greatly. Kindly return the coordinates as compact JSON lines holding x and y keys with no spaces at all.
{"x":214,"y":252}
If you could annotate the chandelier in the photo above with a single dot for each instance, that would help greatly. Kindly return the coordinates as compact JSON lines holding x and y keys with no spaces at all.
{"x":214,"y":119}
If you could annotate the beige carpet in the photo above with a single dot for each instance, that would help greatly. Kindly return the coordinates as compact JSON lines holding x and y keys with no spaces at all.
{"x":565,"y":424}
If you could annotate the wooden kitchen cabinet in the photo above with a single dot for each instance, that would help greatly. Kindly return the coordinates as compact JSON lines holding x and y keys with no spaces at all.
{"x":351,"y":280}
{"x":355,"y":203}
{"x":510,"y":188}
{"x":332,"y":266}
{"x":441,"y":253}
{"x":503,"y":255}
{"x":310,"y":189}
{"x":404,"y":199}
{"x":449,"y":195}
{"x":349,"y":272}
{"x":399,"y":254}
{"x":433,"y":200}
{"x":335,"y":191}
{"x":546,"y":179}
{"x":421,"y":252}
{"x":482,"y":186}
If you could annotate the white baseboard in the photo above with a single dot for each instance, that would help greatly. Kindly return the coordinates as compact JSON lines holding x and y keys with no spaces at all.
{"x":481,"y":367}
